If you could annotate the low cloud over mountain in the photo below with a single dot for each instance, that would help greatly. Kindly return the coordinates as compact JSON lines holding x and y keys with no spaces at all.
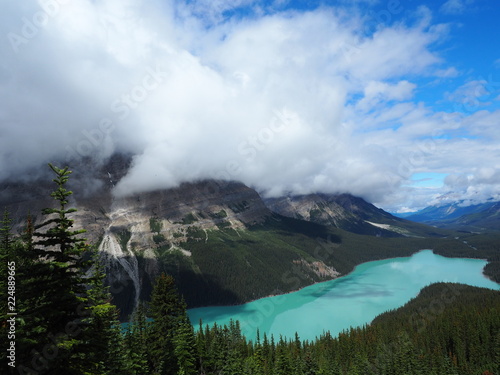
{"x":286,"y":100}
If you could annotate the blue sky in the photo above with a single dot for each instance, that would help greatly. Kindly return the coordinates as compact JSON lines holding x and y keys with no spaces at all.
{"x":471,"y":46}
{"x":394,"y":101}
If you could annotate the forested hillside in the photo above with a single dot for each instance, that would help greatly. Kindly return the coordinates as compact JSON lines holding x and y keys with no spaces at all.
{"x":223,"y":245}
{"x":448,"y":329}
{"x":58,"y":317}
{"x":247,"y":264}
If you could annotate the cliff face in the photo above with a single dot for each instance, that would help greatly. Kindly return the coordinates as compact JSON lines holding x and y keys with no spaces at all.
{"x":219,"y":239}
{"x":205,"y":204}
{"x":138,"y":229}
{"x":313,"y":207}
{"x":134,"y":232}
{"x":343,"y":211}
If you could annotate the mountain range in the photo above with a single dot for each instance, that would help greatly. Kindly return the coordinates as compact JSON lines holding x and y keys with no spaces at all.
{"x":349,"y":213}
{"x":221,"y":240}
{"x":459,"y":216}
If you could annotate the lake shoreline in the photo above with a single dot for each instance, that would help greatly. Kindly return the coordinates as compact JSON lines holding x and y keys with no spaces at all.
{"x":347,"y":274}
{"x":372,"y":290}
{"x":314,"y":283}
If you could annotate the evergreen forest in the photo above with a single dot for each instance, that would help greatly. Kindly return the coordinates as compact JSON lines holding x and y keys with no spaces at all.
{"x":58,"y":317}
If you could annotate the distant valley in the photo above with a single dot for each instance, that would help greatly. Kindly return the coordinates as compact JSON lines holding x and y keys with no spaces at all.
{"x":478,"y":217}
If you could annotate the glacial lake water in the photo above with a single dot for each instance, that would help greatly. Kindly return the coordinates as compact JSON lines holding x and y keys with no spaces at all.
{"x":352,"y":300}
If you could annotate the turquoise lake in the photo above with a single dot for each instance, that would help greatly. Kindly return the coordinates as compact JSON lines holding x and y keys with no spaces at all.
{"x":352,"y":300}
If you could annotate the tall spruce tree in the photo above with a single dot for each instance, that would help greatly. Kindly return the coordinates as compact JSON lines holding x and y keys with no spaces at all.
{"x":18,"y":262}
{"x":185,"y":347}
{"x":136,"y":342}
{"x":168,"y":330}
{"x":104,"y":348}
{"x":59,"y":298}
{"x":25,"y":282}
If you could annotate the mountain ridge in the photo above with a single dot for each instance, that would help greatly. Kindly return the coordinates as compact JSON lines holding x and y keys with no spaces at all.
{"x":478,"y":217}
{"x":347,"y":212}
{"x":221,"y":241}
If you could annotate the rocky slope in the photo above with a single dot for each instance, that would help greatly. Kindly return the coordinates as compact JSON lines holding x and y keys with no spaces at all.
{"x":141,"y":235}
{"x":219,"y":239}
{"x":346,"y":212}
{"x":479,"y":217}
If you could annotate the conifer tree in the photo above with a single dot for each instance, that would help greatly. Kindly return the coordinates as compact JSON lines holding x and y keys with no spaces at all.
{"x":282,"y":364}
{"x":104,"y":343}
{"x":202,"y":341}
{"x":184,"y":347}
{"x":258,"y":356}
{"x":235,"y":347}
{"x":136,"y":342}
{"x":5,"y":234}
{"x":218,"y":348}
{"x":29,"y":271}
{"x":59,"y":298}
{"x":496,"y":352}
{"x":167,"y":312}
{"x":30,"y":325}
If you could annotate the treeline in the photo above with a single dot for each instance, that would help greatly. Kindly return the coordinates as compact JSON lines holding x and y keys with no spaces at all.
{"x":458,"y":321}
{"x":231,"y":266}
{"x":56,"y":313}
{"x":58,"y":318}
{"x":485,"y":246}
{"x":448,"y":329}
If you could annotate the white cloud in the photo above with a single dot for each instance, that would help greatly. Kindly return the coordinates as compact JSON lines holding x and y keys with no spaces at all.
{"x":386,"y":55}
{"x":470,"y":91}
{"x":478,"y":186}
{"x":212,"y":11}
{"x":458,"y":145}
{"x":285,"y":102}
{"x":450,"y":72}
{"x":376,"y":92}
{"x":455,"y":7}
